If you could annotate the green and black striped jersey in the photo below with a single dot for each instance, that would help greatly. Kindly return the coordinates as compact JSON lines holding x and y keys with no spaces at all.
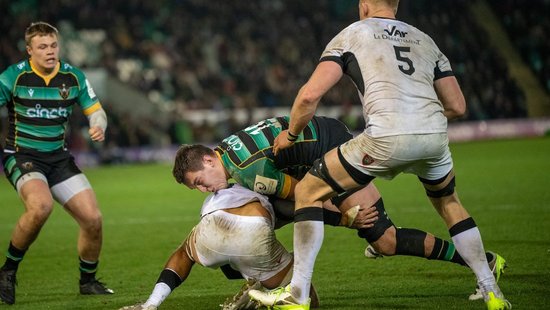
{"x":39,"y":106}
{"x":247,"y":155}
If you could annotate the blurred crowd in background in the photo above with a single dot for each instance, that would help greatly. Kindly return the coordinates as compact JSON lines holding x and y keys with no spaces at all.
{"x":527,"y":25}
{"x":226,"y":55}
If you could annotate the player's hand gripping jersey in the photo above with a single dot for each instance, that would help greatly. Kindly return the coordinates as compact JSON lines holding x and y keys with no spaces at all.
{"x":247,"y":155}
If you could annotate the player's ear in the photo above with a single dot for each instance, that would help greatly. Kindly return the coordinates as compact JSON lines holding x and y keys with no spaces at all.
{"x":363,"y":9}
{"x":207,"y":160}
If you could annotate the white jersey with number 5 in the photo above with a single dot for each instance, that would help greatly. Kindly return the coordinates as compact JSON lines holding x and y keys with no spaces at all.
{"x":393,"y":66}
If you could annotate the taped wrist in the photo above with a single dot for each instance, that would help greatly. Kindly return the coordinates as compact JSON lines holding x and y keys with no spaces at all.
{"x":98,"y":119}
{"x":291,"y":137}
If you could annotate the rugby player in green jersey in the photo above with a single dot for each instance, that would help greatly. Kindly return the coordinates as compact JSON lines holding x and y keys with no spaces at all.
{"x":247,"y":158}
{"x":40,"y":94}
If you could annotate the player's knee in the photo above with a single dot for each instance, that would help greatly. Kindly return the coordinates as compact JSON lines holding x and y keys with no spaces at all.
{"x":307,"y":193}
{"x":386,"y":244}
{"x":93,"y":224}
{"x":301,"y":189}
{"x":38,"y":211}
{"x":447,"y":190}
{"x":380,"y":226}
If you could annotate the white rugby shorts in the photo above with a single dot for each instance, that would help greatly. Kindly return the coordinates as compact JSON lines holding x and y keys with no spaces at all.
{"x":425,"y":155}
{"x":247,"y":243}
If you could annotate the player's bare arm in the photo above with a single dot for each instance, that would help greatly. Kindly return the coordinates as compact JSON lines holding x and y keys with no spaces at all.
{"x":450,"y":95}
{"x":326,"y":75}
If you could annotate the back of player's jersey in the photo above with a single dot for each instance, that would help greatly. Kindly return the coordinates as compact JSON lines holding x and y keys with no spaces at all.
{"x":248,"y":157}
{"x":233,"y":197}
{"x":248,"y":154}
{"x":393,"y":66}
{"x":256,"y":142}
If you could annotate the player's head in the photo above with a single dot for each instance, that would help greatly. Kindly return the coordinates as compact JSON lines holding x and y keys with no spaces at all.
{"x":370,"y":8}
{"x":42,"y":46}
{"x":198,"y":167}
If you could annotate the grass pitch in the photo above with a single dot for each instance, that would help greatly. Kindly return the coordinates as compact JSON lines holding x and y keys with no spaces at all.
{"x":504,"y":184}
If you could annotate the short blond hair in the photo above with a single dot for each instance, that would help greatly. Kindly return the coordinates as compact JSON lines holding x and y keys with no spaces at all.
{"x":39,"y":29}
{"x":390,"y":3}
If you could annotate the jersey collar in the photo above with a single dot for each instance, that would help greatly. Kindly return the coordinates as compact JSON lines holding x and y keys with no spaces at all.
{"x":46,"y":78}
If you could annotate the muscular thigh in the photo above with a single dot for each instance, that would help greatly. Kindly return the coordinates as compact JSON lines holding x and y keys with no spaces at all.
{"x":34,"y":192}
{"x":366,"y":196}
{"x":324,"y":181}
{"x":74,"y":191}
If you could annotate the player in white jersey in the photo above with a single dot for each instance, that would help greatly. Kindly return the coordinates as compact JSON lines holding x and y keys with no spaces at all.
{"x":408,"y":92}
{"x":236,"y":229}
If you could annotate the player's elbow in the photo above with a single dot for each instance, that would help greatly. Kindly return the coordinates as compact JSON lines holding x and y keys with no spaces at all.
{"x":460,"y":108}
{"x":308,"y":96}
{"x":456,"y":110}
{"x":451,"y":97}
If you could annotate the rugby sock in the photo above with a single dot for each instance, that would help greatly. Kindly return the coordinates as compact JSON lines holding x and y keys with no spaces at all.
{"x":13,"y":257}
{"x":409,"y":242}
{"x":166,"y":283}
{"x":87,"y":270}
{"x":446,"y":251}
{"x":308,"y":238}
{"x":467,"y":240}
{"x":331,"y":218}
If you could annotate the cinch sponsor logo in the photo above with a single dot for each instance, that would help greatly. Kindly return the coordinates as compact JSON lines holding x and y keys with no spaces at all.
{"x":234,"y":143}
{"x":39,"y":112}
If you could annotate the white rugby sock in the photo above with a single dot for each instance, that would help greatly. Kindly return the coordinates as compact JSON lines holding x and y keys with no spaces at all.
{"x":470,"y":247}
{"x":159,"y":294}
{"x":308,"y":238}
